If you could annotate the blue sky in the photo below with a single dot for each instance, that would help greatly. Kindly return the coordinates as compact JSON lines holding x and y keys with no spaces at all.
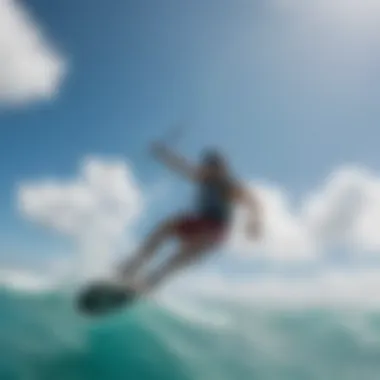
{"x":288,"y":101}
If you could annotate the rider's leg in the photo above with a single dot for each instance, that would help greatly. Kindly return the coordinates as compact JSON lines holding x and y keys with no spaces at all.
{"x":189,"y":252}
{"x":164,"y":231}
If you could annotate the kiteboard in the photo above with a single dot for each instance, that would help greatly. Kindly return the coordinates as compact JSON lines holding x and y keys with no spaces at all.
{"x":100,"y":298}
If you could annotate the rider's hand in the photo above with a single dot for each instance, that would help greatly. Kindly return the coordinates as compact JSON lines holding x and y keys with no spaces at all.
{"x":157,"y":148}
{"x":253,"y":229}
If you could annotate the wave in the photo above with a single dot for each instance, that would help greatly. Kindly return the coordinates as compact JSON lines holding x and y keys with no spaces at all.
{"x":42,"y":337}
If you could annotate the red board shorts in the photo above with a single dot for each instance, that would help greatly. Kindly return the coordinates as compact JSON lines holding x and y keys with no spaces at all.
{"x":193,"y":226}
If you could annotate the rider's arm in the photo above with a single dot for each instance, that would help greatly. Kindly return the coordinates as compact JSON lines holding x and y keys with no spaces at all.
{"x":249,"y":199}
{"x":176,"y":162}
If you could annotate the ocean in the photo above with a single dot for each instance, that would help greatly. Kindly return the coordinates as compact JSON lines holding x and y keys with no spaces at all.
{"x":43,"y":338}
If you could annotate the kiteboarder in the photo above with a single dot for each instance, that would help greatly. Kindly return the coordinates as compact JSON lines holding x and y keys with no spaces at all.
{"x":201,"y":231}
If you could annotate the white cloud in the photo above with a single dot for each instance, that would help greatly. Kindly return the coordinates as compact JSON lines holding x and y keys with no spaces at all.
{"x":342,"y":214}
{"x":285,"y":236}
{"x":30,"y":68}
{"x":96,"y":209}
{"x":99,"y":208}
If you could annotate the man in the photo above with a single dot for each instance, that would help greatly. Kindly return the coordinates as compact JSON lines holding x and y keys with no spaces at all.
{"x":205,"y":229}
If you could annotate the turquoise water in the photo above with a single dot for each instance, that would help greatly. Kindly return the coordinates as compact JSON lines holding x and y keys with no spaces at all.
{"x":41,"y":337}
